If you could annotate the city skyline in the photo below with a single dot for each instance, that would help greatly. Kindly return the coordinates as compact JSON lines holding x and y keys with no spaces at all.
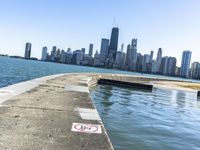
{"x":155,"y":24}
{"x":131,"y":60}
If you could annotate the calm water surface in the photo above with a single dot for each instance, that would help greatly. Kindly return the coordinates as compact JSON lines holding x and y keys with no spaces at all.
{"x":158,"y":120}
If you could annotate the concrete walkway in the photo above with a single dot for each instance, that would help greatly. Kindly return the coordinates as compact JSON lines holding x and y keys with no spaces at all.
{"x":48,"y":116}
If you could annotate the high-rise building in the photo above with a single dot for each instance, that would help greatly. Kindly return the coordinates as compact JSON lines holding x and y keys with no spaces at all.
{"x":185,"y":63}
{"x":151,"y":56}
{"x":122,"y":47}
{"x":139,"y":62}
{"x":159,"y":58}
{"x":171,"y":66}
{"x":97,"y":59}
{"x":113,"y":43}
{"x":58,"y":55}
{"x":62,"y":56}
{"x":145,"y":61}
{"x":154,"y":67}
{"x":163,"y":65}
{"x":195,"y":70}
{"x":128,"y":57}
{"x":119,"y":60}
{"x":83,"y":50}
{"x":131,"y":55}
{"x":69,"y":50}
{"x":91,"y":50}
{"x":44,"y":53}
{"x":53,"y":53}
{"x":122,"y":62}
{"x":104,"y":50}
{"x":27,"y":54}
{"x":87,"y":60}
{"x":77,"y":57}
{"x":68,"y":56}
{"x":134,"y":54}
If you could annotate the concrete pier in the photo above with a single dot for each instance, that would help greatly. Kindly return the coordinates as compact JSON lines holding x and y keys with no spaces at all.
{"x":54,"y":114}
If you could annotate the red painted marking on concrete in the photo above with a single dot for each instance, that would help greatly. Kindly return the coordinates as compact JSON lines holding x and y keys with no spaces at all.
{"x":86,"y":128}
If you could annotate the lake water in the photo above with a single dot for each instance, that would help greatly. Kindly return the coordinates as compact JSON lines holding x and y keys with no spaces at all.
{"x":157,"y":120}
{"x":14,"y":70}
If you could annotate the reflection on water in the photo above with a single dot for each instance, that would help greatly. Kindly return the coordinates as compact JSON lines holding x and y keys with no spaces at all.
{"x":162,"y":119}
{"x":180,"y":100}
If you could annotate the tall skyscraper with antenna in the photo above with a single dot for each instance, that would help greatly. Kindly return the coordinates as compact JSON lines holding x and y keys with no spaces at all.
{"x":113,"y":43}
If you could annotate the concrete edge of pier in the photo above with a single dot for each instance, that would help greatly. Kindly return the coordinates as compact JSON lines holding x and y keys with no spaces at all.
{"x":16,"y":89}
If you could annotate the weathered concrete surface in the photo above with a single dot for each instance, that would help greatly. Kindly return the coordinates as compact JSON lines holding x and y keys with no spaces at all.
{"x":42,"y":118}
{"x":16,"y":89}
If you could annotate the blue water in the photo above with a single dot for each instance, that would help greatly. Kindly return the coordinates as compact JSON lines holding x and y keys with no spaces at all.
{"x":14,"y":70}
{"x":158,"y":120}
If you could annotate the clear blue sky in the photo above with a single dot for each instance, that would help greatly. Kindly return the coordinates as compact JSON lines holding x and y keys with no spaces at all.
{"x":173,"y":25}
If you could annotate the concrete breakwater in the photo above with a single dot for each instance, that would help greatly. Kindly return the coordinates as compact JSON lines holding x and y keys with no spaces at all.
{"x":125,"y":84}
{"x":54,"y":112}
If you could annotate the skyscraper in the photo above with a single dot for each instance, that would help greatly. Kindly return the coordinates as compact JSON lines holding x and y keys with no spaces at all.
{"x":159,"y":55}
{"x":128,"y":57}
{"x":122,"y":47}
{"x":104,"y":50}
{"x":83,"y":50}
{"x":171,"y":66}
{"x":134,"y":53}
{"x":195,"y":70}
{"x":131,"y":55}
{"x":53,"y":53}
{"x":77,"y":57}
{"x":44,"y":53}
{"x":27,"y":50}
{"x":139,"y":62}
{"x":113,"y":43}
{"x":159,"y":58}
{"x":91,"y":49}
{"x":145,"y":62}
{"x":163,"y":65}
{"x":151,"y":56}
{"x":185,"y":63}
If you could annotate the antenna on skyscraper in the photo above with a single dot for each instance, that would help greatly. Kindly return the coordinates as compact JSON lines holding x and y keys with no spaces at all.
{"x":114,"y":21}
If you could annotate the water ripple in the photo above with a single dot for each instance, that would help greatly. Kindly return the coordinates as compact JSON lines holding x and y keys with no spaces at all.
{"x":163,"y":119}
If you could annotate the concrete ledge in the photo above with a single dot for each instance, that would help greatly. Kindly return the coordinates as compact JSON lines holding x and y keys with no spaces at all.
{"x":125,"y":84}
{"x":88,"y":114}
{"x":76,"y":88}
{"x":16,"y":89}
{"x":198,"y":93}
